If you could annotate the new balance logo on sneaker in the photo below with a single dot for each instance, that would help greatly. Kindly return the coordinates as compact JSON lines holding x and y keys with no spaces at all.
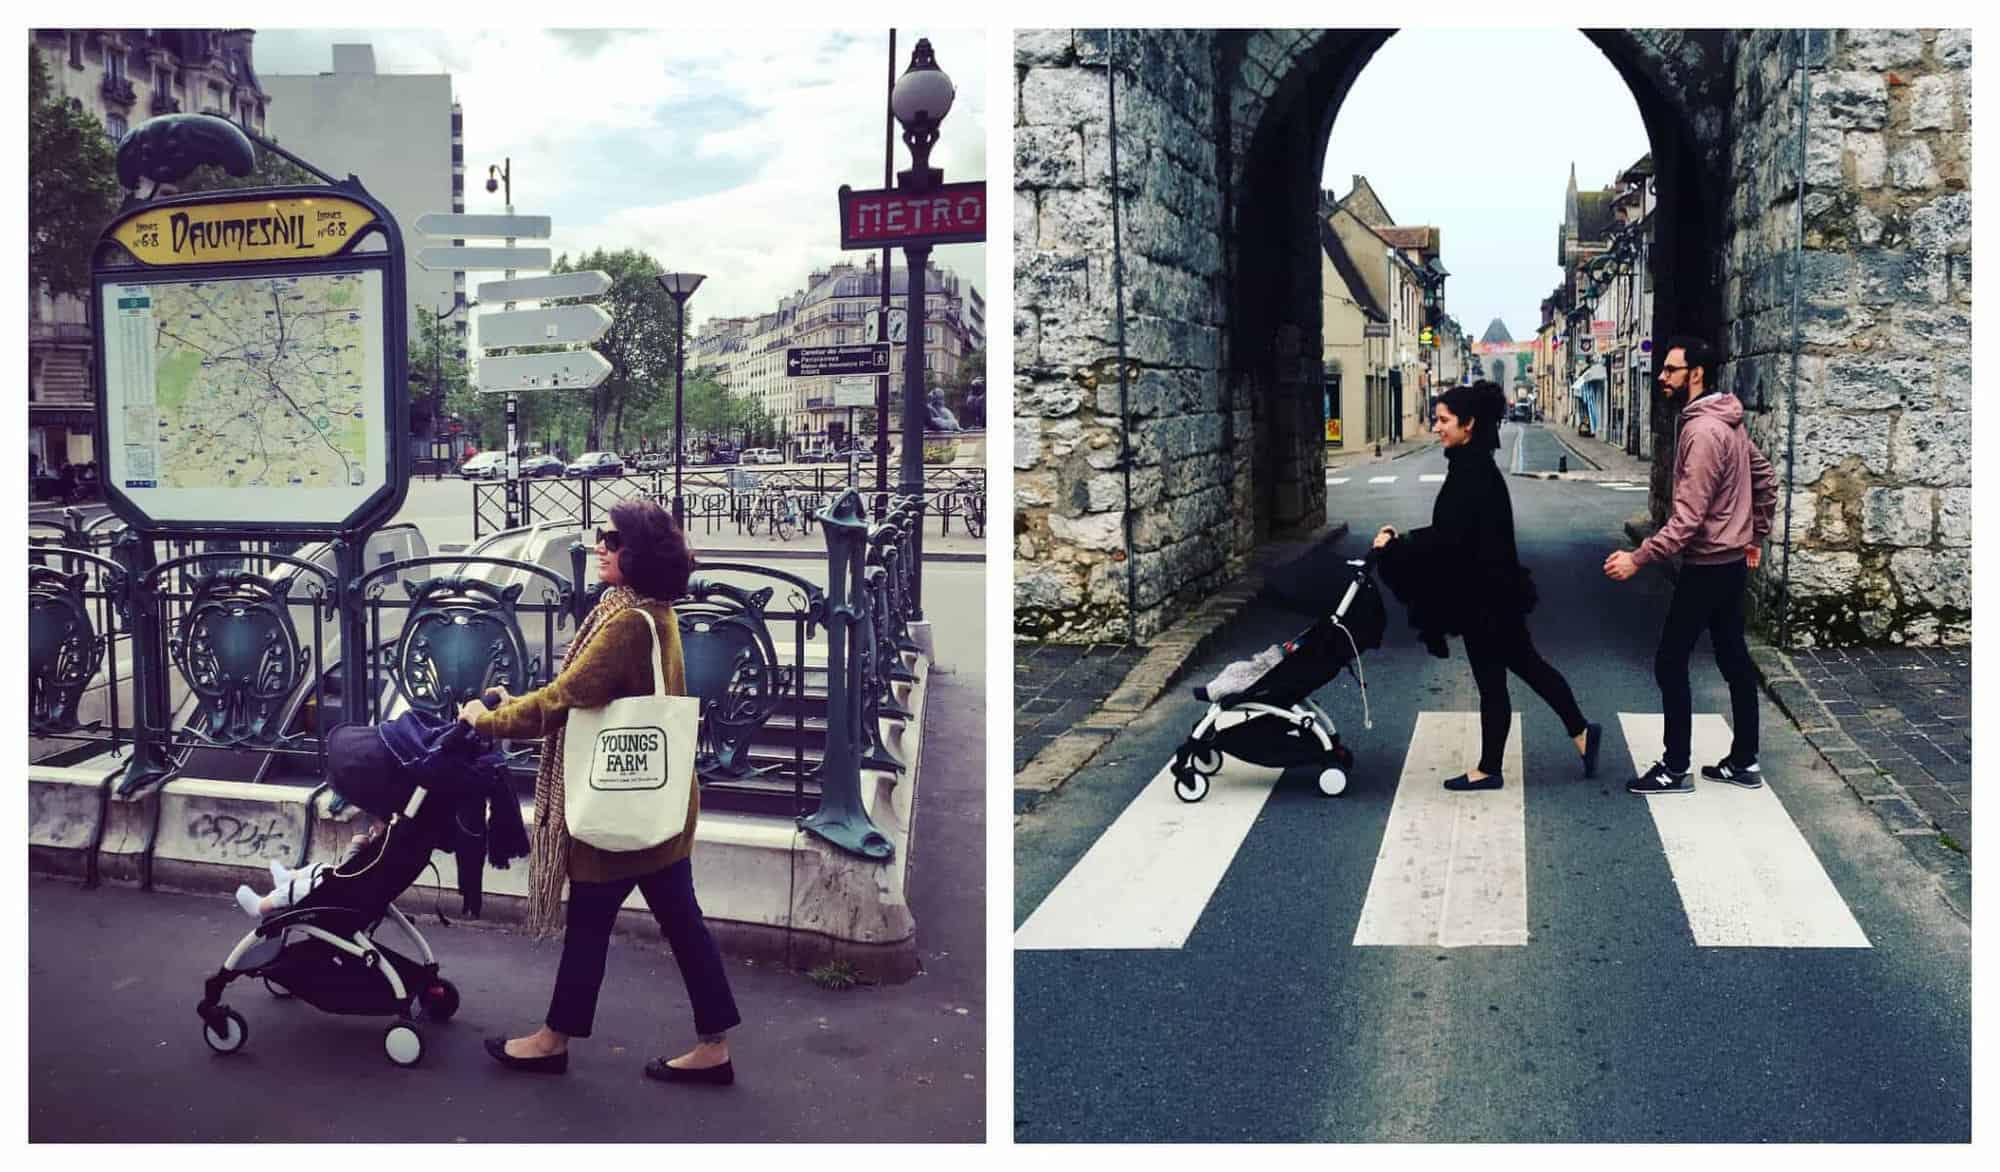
{"x":1661,"y":780}
{"x":1748,"y":776}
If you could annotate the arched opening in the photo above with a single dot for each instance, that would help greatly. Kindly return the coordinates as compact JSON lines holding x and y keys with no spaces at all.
{"x":1274,"y":203}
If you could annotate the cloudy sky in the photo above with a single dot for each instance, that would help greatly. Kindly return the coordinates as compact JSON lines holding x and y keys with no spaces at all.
{"x":1475,"y":132}
{"x":715,"y":151}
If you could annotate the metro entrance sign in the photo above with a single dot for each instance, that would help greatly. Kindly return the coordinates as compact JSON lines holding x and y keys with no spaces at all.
{"x":812,"y":361}
{"x":950,"y":213}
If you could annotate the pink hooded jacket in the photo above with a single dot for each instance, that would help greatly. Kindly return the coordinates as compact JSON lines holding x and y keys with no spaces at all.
{"x":1725,"y":491}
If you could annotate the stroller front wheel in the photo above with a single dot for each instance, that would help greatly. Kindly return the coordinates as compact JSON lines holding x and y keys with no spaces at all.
{"x":1190,"y":787}
{"x":1206,"y":761}
{"x":404,"y":1044}
{"x":440,"y":1000}
{"x":230,"y":1038}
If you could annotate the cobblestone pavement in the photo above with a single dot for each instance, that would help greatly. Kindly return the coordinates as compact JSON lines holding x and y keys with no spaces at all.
{"x":1057,"y":685}
{"x":1897,"y":724}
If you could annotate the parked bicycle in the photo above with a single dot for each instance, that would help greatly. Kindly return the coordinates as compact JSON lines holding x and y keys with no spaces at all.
{"x":778,"y":513}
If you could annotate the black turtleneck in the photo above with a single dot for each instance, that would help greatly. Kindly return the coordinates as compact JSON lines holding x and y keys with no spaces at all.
{"x":1462,"y":569}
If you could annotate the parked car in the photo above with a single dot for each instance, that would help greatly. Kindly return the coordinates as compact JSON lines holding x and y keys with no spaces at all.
{"x":1523,"y":413}
{"x":485,"y":466}
{"x":761,"y":456}
{"x":654,"y":462}
{"x":597,"y":464}
{"x":541,"y":466}
{"x":811,"y":456}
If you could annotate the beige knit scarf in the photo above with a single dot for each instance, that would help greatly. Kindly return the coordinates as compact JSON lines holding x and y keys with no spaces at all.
{"x":549,"y":864}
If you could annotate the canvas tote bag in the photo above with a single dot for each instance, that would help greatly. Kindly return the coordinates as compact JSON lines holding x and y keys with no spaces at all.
{"x":628,"y":766}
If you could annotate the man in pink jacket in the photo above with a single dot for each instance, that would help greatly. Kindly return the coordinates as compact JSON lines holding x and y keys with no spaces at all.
{"x":1724,"y":495}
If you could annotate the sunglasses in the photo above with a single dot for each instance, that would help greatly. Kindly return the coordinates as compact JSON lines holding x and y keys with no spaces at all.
{"x":610,"y":539}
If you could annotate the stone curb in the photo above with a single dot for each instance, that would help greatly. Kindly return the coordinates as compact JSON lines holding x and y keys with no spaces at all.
{"x":1878,"y":791}
{"x":1149,"y":679}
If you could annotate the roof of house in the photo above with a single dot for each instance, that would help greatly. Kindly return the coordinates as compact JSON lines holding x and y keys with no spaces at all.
{"x":1365,"y":205}
{"x":1594,"y":218}
{"x":1497,"y":332}
{"x":1424,"y":238}
{"x":1357,"y":288}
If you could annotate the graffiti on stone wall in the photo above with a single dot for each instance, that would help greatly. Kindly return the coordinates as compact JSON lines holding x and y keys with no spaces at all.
{"x":240,"y":838}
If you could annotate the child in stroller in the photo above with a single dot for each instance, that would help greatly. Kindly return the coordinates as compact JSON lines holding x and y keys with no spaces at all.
{"x":1261,"y":710}
{"x":418,"y":774}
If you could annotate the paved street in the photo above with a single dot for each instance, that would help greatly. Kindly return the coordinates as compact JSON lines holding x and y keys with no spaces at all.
{"x":1558,"y":961}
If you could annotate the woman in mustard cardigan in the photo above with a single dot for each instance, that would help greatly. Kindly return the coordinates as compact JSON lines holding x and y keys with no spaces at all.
{"x":643,"y":560}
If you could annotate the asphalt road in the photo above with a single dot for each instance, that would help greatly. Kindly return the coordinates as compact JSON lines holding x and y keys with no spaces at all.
{"x":1608,"y":1021}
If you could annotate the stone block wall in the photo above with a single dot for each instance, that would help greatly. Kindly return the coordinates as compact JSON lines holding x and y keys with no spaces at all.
{"x":1187,"y":496}
{"x":1881,"y":476}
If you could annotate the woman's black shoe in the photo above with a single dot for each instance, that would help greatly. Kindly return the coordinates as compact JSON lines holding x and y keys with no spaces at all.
{"x":546,"y":1064}
{"x":720,"y":1075}
{"x":1593,"y":736}
{"x":1465,"y":782}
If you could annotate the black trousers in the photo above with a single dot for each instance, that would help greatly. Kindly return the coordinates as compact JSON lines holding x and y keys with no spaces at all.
{"x":1707,"y":598}
{"x":1493,"y":654}
{"x":593,"y":908}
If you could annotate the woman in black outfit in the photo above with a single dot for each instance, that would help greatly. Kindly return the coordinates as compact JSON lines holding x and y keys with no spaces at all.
{"x":1462,"y":576}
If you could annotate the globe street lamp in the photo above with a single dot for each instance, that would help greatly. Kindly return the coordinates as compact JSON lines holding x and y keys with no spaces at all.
{"x":920,"y":100}
{"x":680,"y":287}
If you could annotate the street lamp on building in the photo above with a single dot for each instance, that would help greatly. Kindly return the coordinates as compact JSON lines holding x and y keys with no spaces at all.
{"x":920,"y":100}
{"x":680,"y":287}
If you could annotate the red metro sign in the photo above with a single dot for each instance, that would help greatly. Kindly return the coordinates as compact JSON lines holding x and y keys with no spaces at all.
{"x":950,"y":213}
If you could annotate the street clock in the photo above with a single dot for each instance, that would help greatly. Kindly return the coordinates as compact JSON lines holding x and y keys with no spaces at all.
{"x":899,"y":326}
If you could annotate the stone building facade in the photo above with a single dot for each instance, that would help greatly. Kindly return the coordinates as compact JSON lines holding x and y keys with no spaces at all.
{"x":1143,"y":485}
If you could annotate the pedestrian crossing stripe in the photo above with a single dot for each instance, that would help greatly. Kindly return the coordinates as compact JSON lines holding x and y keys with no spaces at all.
{"x":1337,"y":479}
{"x":1381,"y":480}
{"x":1621,"y":486}
{"x":1747,"y":877}
{"x":1431,"y":477}
{"x":1451,"y":868}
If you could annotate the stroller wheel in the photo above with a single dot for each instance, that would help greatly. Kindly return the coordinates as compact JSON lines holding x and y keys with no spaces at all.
{"x":404,"y":1044}
{"x":1190,"y":787}
{"x":440,"y":1000}
{"x":276,"y":990}
{"x":235,"y":1031}
{"x":1207,"y":761}
{"x":1332,"y":781}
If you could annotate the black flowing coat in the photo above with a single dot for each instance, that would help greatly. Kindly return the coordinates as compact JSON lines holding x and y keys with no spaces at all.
{"x":1461,"y":572}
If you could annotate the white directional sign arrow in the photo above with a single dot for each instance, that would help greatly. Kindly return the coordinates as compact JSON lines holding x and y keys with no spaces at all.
{"x":584,"y":284}
{"x":458,"y":225}
{"x":540,"y":327}
{"x":570,"y":370}
{"x":457,"y":259}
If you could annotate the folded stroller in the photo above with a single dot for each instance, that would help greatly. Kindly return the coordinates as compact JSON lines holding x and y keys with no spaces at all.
{"x":417,"y":774}
{"x":1261,"y":711}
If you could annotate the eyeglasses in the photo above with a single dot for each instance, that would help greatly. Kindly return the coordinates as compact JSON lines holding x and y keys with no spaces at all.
{"x":610,"y":539}
{"x":1671,"y":369}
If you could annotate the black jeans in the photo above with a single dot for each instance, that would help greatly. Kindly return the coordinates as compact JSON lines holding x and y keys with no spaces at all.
{"x":593,"y":907}
{"x":1707,"y":598}
{"x":1495,"y":653}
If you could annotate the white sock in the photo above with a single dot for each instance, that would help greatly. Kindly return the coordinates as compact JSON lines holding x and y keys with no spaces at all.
{"x":249,"y":901}
{"x":279,"y":873}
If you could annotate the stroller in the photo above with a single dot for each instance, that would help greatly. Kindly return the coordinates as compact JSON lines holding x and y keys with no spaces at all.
{"x":419,"y":777}
{"x":1261,"y":711}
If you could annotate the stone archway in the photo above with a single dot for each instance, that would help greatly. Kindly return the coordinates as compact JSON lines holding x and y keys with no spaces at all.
{"x":1219,"y":141}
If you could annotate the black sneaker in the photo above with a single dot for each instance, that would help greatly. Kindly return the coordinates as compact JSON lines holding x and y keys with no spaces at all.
{"x":1748,"y":776}
{"x":1593,"y":739}
{"x":1661,"y":780}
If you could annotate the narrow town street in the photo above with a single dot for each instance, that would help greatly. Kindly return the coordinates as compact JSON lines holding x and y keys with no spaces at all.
{"x":1557,"y":961}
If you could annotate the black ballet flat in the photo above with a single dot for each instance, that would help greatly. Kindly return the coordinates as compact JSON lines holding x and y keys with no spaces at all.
{"x":720,"y":1075}
{"x":1463,"y":782}
{"x":1593,"y":737}
{"x":546,"y":1064}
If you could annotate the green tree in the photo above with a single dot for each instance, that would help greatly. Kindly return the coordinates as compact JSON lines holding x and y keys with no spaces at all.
{"x":640,"y":343}
{"x":72,"y":187}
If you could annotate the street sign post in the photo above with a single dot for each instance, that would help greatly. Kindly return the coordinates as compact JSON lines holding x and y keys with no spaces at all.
{"x":543,"y":327}
{"x":458,"y":225}
{"x":812,"y":361}
{"x":571,"y":370}
{"x":949,"y":213}
{"x":464,"y":259}
{"x":564,"y":285}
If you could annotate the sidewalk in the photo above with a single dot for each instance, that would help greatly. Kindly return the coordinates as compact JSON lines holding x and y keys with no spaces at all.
{"x":1895,"y":723}
{"x":1339,"y":459}
{"x":1597,"y":460}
